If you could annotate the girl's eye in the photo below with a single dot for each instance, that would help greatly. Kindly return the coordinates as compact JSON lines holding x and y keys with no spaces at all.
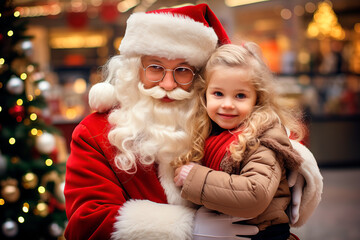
{"x":240,"y":95}
{"x":218,"y":94}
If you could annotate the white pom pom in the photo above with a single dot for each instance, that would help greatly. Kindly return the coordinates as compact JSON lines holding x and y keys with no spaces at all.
{"x":102,"y":97}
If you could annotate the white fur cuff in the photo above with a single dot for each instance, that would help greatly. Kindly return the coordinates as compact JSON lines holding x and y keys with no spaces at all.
{"x":143,"y":219}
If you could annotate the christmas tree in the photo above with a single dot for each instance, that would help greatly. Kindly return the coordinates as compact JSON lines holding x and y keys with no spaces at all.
{"x":31,"y":173}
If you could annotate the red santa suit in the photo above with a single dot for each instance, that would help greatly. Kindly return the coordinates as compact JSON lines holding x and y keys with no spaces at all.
{"x":97,"y":192}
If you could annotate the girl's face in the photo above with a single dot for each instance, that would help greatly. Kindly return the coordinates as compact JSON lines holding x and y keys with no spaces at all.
{"x":230,"y":96}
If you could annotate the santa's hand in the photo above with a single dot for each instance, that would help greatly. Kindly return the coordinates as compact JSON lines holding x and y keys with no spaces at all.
{"x":212,"y":225}
{"x":296,"y":182}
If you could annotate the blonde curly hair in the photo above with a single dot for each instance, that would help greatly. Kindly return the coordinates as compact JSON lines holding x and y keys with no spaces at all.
{"x":265,"y":113}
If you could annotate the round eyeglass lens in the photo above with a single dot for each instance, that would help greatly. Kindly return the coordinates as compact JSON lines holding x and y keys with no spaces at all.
{"x":183,"y":75}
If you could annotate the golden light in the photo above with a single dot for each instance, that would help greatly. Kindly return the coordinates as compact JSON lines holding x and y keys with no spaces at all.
{"x":41,"y":190}
{"x":304,"y":57}
{"x":33,"y":116}
{"x":21,"y":219}
{"x":16,"y":14}
{"x":2,"y":61}
{"x":25,"y":207}
{"x":30,"y":98}
{"x":79,"y":86}
{"x":30,"y":68}
{"x":40,"y":10}
{"x":19,"y":102}
{"x":62,"y":39}
{"x":286,"y":14}
{"x":96,"y":3}
{"x":117,"y":42}
{"x":357,"y":27}
{"x":23,"y":76}
{"x":37,"y":92}
{"x":325,"y":23}
{"x":310,"y":7}
{"x":12,"y":141}
{"x":71,"y":113}
{"x":39,"y":133}
{"x":234,"y":3}
{"x":34,"y":131}
{"x":48,"y":162}
{"x":10,"y":33}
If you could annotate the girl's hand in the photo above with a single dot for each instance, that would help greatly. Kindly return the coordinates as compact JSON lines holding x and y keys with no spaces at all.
{"x":181,"y":174}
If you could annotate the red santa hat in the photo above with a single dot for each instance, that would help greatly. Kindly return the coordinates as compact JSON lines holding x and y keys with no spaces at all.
{"x":191,"y":33}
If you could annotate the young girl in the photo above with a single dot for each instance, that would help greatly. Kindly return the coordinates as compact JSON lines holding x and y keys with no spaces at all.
{"x":247,"y":151}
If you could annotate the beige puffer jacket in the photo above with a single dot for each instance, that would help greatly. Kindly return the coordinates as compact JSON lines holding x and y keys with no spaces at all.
{"x":255,"y":188}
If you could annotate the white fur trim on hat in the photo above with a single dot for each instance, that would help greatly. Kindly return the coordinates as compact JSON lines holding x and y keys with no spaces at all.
{"x":143,"y":219}
{"x":168,"y":36}
{"x":102,"y":97}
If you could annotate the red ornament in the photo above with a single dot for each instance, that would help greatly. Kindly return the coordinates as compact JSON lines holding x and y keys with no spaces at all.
{"x":17,"y":112}
{"x":109,"y":12}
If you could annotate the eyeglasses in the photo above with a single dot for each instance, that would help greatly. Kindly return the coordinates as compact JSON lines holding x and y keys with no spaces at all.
{"x":156,"y":73}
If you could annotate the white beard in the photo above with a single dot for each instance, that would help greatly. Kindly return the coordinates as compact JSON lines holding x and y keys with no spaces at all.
{"x":146,"y":130}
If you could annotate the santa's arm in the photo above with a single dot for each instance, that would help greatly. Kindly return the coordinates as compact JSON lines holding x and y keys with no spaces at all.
{"x":310,"y":196}
{"x":98,"y":207}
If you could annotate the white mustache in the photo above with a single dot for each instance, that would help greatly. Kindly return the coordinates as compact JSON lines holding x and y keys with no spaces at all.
{"x":159,"y":93}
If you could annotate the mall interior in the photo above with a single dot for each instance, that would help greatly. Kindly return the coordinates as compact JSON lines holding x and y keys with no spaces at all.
{"x":311,"y":46}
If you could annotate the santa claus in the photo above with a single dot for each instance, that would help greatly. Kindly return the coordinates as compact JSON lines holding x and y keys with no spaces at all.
{"x":119,"y":180}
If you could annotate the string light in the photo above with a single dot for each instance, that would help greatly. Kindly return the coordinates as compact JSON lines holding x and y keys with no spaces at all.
{"x":33,"y":116}
{"x":17,"y":14}
{"x":12,"y":141}
{"x":10,"y":33}
{"x":41,"y":189}
{"x":48,"y":162}
{"x":34,"y":131}
{"x":39,"y":133}
{"x":23,"y":76}
{"x":41,"y":10}
{"x":21,"y":219}
{"x":37,"y":92}
{"x":26,"y":207}
{"x":2,"y":61}
{"x":19,"y":102}
{"x":2,"y":201}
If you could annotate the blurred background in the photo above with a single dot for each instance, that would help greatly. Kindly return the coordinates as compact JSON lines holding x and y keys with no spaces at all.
{"x":313,"y":47}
